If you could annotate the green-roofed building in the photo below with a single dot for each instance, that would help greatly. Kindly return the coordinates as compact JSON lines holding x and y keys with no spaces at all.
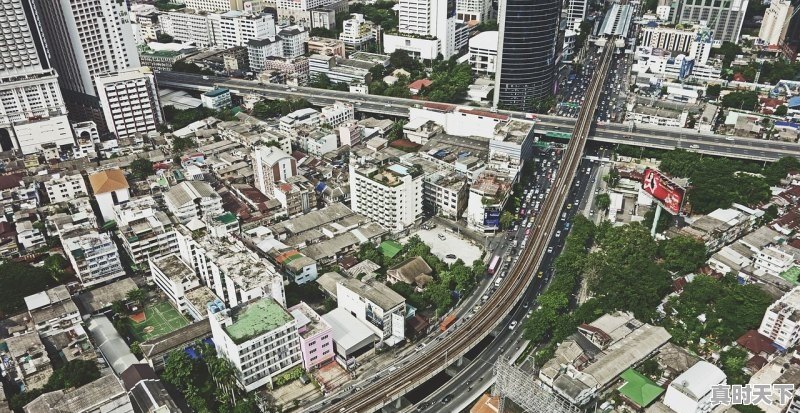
{"x":260,"y":331}
{"x":390,"y":248}
{"x":639,"y":389}
{"x":792,"y":275}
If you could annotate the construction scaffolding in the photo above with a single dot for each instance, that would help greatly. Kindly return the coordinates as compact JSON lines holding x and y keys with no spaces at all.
{"x":523,"y":389}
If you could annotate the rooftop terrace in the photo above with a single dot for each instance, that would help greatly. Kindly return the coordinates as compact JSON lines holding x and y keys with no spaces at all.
{"x":256,"y":318}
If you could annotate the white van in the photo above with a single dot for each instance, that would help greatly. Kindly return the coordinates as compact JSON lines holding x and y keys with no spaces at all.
{"x":498,"y":281}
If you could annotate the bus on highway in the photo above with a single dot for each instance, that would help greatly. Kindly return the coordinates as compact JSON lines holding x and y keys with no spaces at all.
{"x":493,"y":265}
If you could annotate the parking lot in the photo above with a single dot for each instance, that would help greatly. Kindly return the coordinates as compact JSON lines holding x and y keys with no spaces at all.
{"x":452,"y":243}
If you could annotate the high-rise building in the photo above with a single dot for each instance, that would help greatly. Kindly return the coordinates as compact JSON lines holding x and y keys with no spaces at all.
{"x":271,"y":165}
{"x":527,"y":58}
{"x":426,"y":28}
{"x":391,"y":196}
{"x":85,"y":39}
{"x":724,"y":17}
{"x":776,"y":22}
{"x":473,"y":10}
{"x":576,"y":10}
{"x":32,"y":110}
{"x":130,"y":102}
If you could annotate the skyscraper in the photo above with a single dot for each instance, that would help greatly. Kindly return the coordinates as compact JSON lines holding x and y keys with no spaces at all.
{"x":724,"y":17}
{"x":87,"y":38}
{"x":527,"y":50}
{"x":32,"y":110}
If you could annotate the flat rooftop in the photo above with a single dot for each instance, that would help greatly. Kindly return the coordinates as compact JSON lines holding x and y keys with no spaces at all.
{"x":256,"y":318}
{"x":377,"y":292}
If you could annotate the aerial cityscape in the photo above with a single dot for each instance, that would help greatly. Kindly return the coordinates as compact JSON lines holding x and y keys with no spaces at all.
{"x":396,"y":206}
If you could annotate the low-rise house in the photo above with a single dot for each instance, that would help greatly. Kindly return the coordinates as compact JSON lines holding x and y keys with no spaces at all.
{"x":414,"y":271}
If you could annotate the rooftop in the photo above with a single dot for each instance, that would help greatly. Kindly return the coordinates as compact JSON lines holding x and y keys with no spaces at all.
{"x":174,"y":268}
{"x":108,"y":181}
{"x":374,"y":291}
{"x":176,"y":339}
{"x":348,"y":331}
{"x":253,"y":319}
{"x":309,"y":323}
{"x":216,"y":92}
{"x":99,"y":298}
{"x":697,"y":381}
{"x":89,"y":397}
{"x":187,"y":191}
{"x":638,"y":388}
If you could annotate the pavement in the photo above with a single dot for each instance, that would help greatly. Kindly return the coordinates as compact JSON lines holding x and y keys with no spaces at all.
{"x":464,"y":248}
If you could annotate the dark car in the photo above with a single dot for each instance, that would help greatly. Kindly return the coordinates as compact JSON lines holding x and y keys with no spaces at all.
{"x":447,"y":399}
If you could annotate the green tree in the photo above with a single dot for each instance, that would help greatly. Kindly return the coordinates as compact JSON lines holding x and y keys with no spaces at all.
{"x":733,"y":362}
{"x":478,"y":269}
{"x":713,"y":90}
{"x":728,"y":50}
{"x":376,"y":73}
{"x":368,"y":251}
{"x":746,"y":100}
{"x":650,"y":369}
{"x":321,"y":81}
{"x":781,"y":110}
{"x":141,"y":168}
{"x":178,"y":369}
{"x":682,"y":254}
{"x":186,"y":67}
{"x":487,"y":26}
{"x":322,"y":32}
{"x":18,"y":281}
{"x":164,"y":38}
{"x":55,"y":263}
{"x":182,"y":144}
{"x":138,"y":296}
{"x":506,"y":220}
{"x":602,"y":201}
{"x":439,"y":295}
{"x":777,"y":171}
{"x":74,"y":373}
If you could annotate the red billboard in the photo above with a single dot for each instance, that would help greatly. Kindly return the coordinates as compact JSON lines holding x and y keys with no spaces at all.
{"x":665,"y":192}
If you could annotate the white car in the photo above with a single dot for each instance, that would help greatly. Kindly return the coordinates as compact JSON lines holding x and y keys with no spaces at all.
{"x":513,"y":325}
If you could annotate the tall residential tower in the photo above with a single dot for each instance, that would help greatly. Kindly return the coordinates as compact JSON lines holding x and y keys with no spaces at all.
{"x":32,"y":110}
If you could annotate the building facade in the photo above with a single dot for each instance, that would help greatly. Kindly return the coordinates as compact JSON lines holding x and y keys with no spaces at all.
{"x":526,"y":69}
{"x":271,"y":165}
{"x":93,"y":255}
{"x":193,"y":199}
{"x":776,"y":22}
{"x":723,"y":18}
{"x":260,"y":338}
{"x":390,"y":196}
{"x":781,"y":322}
{"x":62,"y":188}
{"x":483,"y":53}
{"x":32,"y":110}
{"x":146,"y":232}
{"x":130,"y":102}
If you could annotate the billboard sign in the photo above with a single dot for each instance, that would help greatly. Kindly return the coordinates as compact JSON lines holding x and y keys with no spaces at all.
{"x":491,"y":218}
{"x":668,"y":194}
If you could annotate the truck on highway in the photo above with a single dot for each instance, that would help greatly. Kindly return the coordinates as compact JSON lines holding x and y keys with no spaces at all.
{"x":447,"y":322}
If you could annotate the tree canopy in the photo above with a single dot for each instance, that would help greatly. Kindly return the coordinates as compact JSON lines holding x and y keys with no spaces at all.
{"x":21,"y":280}
{"x":141,"y":168}
{"x":682,"y":254}
{"x":271,"y":108}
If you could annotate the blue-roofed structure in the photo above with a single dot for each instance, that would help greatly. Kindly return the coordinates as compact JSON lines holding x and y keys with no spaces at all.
{"x":794,"y":102}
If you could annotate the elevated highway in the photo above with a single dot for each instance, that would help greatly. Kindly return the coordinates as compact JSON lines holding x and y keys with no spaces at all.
{"x":500,"y":304}
{"x":643,"y":135}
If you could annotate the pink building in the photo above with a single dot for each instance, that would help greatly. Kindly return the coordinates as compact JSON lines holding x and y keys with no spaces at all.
{"x":316,"y":336}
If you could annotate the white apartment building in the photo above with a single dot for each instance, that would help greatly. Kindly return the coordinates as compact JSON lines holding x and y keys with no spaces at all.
{"x":209,"y":5}
{"x":775,"y":259}
{"x":390,"y":196}
{"x":303,"y":5}
{"x":776,"y":22}
{"x":175,"y":278}
{"x":130,"y":102}
{"x":576,"y":11}
{"x":483,"y":53}
{"x":669,"y":66}
{"x":294,"y":40}
{"x":319,"y":143}
{"x":29,"y":238}
{"x":52,"y":311}
{"x":691,"y":391}
{"x":307,"y":116}
{"x":145,"y":231}
{"x":62,"y":188}
{"x":336,"y":69}
{"x":87,"y":138}
{"x":667,"y":38}
{"x":188,"y":27}
{"x":356,"y":31}
{"x":32,"y":110}
{"x":232,"y":272}
{"x":258,"y":50}
{"x":723,"y":18}
{"x":271,"y":165}
{"x":217,"y":99}
{"x":473,"y":10}
{"x":421,"y":24}
{"x":236,"y":28}
{"x":110,"y":188}
{"x":260,"y":338}
{"x":378,"y":306}
{"x":781,"y":322}
{"x":86,"y":39}
{"x":93,"y":255}
{"x":337,"y":114}
{"x":445,"y":193}
{"x":193,"y":199}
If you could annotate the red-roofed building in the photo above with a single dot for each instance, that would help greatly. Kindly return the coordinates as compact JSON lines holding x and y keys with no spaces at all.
{"x":417,"y":85}
{"x":756,"y":343}
{"x":738,"y":77}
